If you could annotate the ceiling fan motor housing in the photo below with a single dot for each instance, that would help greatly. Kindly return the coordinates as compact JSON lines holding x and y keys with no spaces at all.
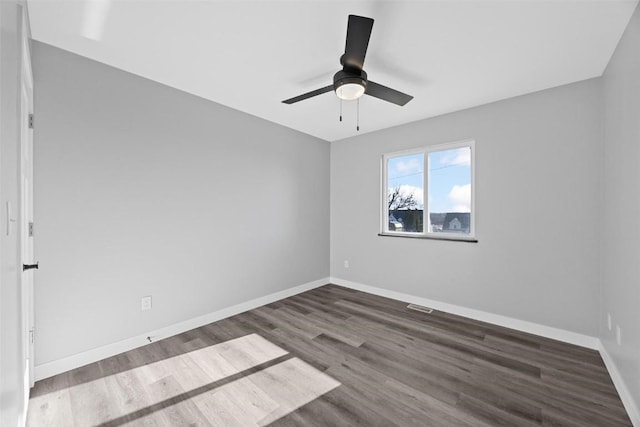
{"x":343,"y":77}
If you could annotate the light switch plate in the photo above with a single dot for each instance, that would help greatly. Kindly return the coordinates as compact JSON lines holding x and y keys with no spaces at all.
{"x":145,"y":303}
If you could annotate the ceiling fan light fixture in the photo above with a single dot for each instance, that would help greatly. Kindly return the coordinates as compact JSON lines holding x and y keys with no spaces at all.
{"x":350,"y":91}
{"x":350,"y":85}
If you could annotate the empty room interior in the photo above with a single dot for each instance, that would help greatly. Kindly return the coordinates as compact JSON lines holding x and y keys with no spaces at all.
{"x":320,"y":213}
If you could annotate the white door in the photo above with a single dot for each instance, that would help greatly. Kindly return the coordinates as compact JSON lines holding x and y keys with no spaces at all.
{"x":26,"y":211}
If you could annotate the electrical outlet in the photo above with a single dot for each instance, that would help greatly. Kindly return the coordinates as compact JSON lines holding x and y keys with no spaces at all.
{"x":346,"y":263}
{"x":609,"y":320}
{"x":618,"y":335}
{"x":145,"y":303}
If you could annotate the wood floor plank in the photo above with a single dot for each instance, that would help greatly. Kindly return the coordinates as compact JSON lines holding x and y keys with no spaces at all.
{"x":541,"y":358}
{"x":550,"y":397}
{"x":50,"y":404}
{"x":90,"y":392}
{"x":338,"y":357}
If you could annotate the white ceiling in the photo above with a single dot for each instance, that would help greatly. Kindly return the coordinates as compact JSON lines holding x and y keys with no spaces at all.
{"x":449,"y":55}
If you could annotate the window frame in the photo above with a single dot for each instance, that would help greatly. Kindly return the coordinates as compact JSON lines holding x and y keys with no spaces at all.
{"x":426,"y":234}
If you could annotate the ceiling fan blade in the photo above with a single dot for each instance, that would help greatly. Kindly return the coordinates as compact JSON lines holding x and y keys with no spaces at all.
{"x":308,"y":95}
{"x":358,"y":34}
{"x":387,"y":94}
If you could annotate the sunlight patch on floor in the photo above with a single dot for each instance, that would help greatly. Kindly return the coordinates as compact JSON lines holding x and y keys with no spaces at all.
{"x":263,"y":397}
{"x":225,"y":383}
{"x":213,"y":363}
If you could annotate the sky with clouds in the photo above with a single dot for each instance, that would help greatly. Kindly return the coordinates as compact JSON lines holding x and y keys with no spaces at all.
{"x":449,"y":178}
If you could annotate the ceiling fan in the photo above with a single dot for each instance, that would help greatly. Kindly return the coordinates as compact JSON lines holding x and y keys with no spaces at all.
{"x":351,"y":82}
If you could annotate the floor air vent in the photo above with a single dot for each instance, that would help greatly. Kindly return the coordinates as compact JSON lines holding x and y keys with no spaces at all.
{"x":420,"y":308}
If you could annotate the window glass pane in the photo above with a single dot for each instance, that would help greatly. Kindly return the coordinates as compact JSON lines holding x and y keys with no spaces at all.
{"x":405,"y":198}
{"x":449,"y":203}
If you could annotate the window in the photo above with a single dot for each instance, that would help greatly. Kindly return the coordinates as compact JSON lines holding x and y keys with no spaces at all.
{"x":435,"y":204}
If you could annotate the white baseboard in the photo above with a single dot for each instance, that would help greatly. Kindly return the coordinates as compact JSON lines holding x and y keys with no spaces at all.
{"x":55,"y":367}
{"x":495,"y":319}
{"x":621,"y":387}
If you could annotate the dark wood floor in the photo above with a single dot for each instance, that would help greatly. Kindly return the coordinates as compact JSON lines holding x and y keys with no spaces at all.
{"x":332,"y":357}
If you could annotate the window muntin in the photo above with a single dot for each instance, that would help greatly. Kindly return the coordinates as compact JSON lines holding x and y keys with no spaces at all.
{"x":438,"y":204}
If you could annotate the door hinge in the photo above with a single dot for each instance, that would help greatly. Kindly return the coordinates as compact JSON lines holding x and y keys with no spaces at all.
{"x":31,"y":229}
{"x":31,"y":121}
{"x":32,"y":335}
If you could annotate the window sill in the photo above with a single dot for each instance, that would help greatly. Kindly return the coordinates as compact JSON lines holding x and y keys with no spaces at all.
{"x":449,"y":238}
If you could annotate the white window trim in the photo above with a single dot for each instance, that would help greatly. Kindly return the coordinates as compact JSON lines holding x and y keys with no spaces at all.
{"x":426,"y":234}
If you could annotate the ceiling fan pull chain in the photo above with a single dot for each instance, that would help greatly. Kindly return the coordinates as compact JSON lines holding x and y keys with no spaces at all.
{"x":340,"y":109}
{"x":358,"y":116}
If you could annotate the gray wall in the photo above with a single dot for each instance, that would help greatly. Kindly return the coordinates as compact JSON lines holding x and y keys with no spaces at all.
{"x":537,"y":203}
{"x":12,"y":390}
{"x":141,"y":189}
{"x":621,"y":206}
